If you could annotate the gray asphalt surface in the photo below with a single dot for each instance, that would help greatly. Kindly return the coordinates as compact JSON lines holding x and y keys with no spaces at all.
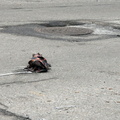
{"x":84,"y":82}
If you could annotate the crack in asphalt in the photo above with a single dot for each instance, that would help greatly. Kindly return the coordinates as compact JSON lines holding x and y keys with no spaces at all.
{"x":7,"y":114}
{"x":3,"y":105}
{"x":22,"y":82}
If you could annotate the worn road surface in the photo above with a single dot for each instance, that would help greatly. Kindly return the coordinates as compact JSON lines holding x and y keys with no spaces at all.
{"x":84,"y":82}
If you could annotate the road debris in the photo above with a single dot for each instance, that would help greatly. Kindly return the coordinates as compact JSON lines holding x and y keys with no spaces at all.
{"x":38,"y":64}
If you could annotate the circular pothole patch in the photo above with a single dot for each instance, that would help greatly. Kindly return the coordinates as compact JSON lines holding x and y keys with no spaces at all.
{"x":70,"y":31}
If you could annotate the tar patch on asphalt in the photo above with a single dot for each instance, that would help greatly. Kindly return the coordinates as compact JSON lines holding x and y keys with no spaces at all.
{"x":75,"y":31}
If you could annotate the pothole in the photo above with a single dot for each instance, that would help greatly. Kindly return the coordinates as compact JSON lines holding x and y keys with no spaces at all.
{"x":75,"y":31}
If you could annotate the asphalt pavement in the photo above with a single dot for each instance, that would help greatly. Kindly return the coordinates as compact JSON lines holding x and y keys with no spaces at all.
{"x":84,"y":80}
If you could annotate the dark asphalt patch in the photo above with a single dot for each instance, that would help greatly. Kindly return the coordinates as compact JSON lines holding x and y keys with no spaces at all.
{"x":61,"y":23}
{"x":73,"y":31}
